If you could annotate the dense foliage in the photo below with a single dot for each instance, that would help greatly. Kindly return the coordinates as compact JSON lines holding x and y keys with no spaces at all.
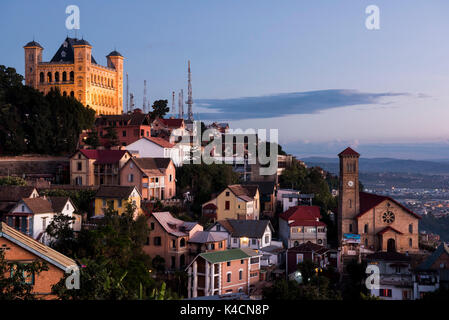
{"x":33,"y":123}
{"x":82,"y":199}
{"x":203,"y":181}
{"x":12,"y":181}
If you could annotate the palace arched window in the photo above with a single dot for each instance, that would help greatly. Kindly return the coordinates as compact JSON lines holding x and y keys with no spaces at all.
{"x":64,"y":76}
{"x":112,"y":83}
{"x":49,"y":78}
{"x":72,"y":76}
{"x":64,"y":93}
{"x":41,"y":77}
{"x":56,"y":76}
{"x":72,"y":94}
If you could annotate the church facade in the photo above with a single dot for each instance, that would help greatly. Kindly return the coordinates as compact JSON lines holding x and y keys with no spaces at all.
{"x":75,"y":72}
{"x":369,"y":221}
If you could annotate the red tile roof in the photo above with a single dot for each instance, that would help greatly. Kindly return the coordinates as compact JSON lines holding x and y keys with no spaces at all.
{"x":104,"y":156}
{"x":369,"y":200}
{"x":173,"y":123}
{"x":303,"y":216}
{"x":349,"y":152}
{"x":161,"y":142}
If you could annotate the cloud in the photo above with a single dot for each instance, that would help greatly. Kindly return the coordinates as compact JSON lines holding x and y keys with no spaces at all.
{"x":283,"y":104}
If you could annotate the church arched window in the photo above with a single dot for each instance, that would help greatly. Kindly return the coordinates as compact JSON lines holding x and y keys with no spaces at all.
{"x":72,"y":76}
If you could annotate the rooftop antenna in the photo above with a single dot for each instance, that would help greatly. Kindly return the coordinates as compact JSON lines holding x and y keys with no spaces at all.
{"x":131,"y":101}
{"x":189,"y":95}
{"x":173,"y":111}
{"x":144,"y":96}
{"x":127,"y":93}
{"x":181,"y":105}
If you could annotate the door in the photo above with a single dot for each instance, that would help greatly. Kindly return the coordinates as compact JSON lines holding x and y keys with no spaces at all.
{"x":391,"y":245}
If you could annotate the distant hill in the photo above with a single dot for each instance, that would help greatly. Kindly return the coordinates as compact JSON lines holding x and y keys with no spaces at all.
{"x":380,"y":165}
{"x":438,"y":226}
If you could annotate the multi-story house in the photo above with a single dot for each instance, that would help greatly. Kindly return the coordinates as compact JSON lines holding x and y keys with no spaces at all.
{"x":31,"y":216}
{"x":169,"y":238}
{"x":117,"y":197}
{"x":97,"y":167}
{"x":129,"y":127}
{"x":235,"y":202}
{"x":267,"y":190}
{"x":155,"y":147}
{"x":74,"y":71}
{"x":320,"y":255}
{"x":164,"y":127}
{"x":154,"y":177}
{"x":19,"y":248}
{"x":10,"y":195}
{"x":301,"y":224}
{"x":223,"y":272}
{"x":395,"y":275}
{"x":206,"y":241}
{"x":288,"y":198}
{"x":253,"y":234}
{"x":433,"y":273}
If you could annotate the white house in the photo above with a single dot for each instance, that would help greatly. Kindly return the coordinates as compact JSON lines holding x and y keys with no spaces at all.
{"x":155,"y":147}
{"x":253,"y":234}
{"x":395,"y":275}
{"x":31,"y":216}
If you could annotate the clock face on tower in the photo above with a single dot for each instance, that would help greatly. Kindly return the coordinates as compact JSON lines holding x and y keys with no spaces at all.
{"x":350,"y":183}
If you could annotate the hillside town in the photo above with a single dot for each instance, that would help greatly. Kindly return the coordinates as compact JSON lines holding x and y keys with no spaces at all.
{"x":123,"y":196}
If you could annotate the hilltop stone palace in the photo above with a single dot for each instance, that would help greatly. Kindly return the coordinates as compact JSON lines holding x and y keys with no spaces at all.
{"x":75,"y":72}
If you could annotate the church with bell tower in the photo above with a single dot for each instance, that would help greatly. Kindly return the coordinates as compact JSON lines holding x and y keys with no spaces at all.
{"x":369,"y":222}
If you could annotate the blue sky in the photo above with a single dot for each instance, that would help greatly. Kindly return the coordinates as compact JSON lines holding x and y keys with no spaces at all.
{"x":309,"y":68}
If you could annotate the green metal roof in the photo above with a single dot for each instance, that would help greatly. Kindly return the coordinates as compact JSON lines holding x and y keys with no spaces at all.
{"x":228,"y":255}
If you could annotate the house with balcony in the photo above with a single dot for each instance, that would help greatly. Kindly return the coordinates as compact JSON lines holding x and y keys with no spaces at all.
{"x":169,"y":238}
{"x":206,"y":241}
{"x":433,"y":272}
{"x":31,"y":216}
{"x":223,"y":272}
{"x":237,"y":201}
{"x":117,"y":197}
{"x":396,"y":277}
{"x":155,"y":178}
{"x":253,"y":234}
{"x":97,"y":167}
{"x":302,"y":224}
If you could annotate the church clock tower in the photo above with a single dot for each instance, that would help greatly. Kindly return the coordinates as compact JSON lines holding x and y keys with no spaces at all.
{"x":348,"y":193}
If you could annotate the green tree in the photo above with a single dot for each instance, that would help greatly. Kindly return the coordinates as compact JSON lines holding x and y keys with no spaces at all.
{"x":12,"y":181}
{"x":92,"y":139}
{"x":160,"y":109}
{"x":111,"y":137}
{"x":61,"y":234}
{"x":14,"y":276}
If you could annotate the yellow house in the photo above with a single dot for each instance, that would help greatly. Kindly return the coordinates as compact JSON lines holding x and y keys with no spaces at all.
{"x":235,"y":202}
{"x":118,"y":197}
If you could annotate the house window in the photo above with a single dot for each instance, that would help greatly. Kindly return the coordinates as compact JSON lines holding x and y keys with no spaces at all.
{"x":234,"y":240}
{"x":119,"y":203}
{"x":182,"y":243}
{"x":240,"y":274}
{"x":170,"y":178}
{"x":228,"y":277}
{"x":130,"y":177}
{"x":242,"y":261}
{"x":253,"y":242}
{"x":104,"y":202}
{"x":44,"y":223}
{"x":267,"y":239}
{"x":124,"y":133}
{"x":142,"y":132}
{"x":299,"y":258}
{"x":350,"y":228}
{"x":227,"y":193}
{"x":17,"y":223}
{"x":173,"y":244}
{"x":152,"y":226}
{"x":79,"y":166}
{"x":227,"y":205}
{"x":23,"y":208}
{"x":147,"y":243}
{"x":220,"y":245}
{"x":385,"y":293}
{"x":157,"y":241}
{"x":410,"y":242}
{"x":228,"y":264}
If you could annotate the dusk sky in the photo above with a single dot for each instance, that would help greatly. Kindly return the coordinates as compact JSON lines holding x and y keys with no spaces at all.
{"x":308,"y":68}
